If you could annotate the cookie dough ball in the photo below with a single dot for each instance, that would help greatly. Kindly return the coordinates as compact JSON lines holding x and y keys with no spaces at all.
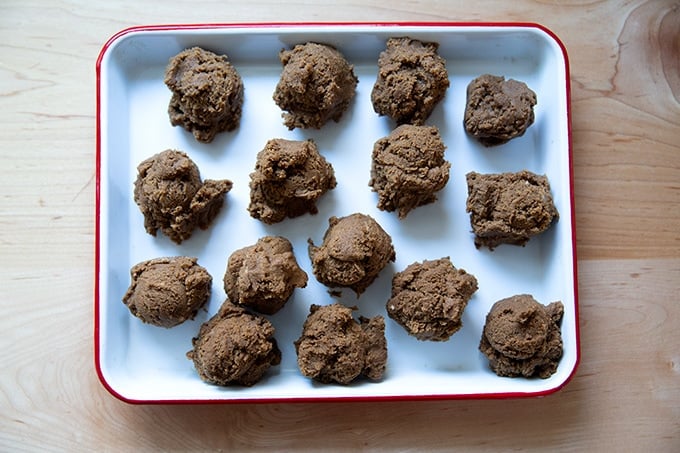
{"x":428,"y":299}
{"x":207,"y":93}
{"x":316,"y":85}
{"x":521,"y":337}
{"x":234,"y":347}
{"x":354,"y":251}
{"x":166,"y":292}
{"x":509,"y":208}
{"x":263,"y":276}
{"x":408,"y":168}
{"x":498,"y":110}
{"x":334,"y":347}
{"x":412,"y":79}
{"x":172,"y":197}
{"x":289,"y":177}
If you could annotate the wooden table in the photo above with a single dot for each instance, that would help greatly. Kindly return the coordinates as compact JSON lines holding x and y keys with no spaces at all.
{"x":625,"y":68}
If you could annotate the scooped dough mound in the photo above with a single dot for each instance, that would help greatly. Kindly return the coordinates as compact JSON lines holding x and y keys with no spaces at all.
{"x":412,"y":79}
{"x":207,"y":93}
{"x":316,"y":85}
{"x":498,"y":110}
{"x":428,"y":299}
{"x":408,"y":168}
{"x":354,"y":251}
{"x":289,"y":177}
{"x":334,"y":347}
{"x":263,"y":276}
{"x":521,"y":337}
{"x":172,"y":198}
{"x":166,"y":292}
{"x":509,"y":208}
{"x":234,"y":347}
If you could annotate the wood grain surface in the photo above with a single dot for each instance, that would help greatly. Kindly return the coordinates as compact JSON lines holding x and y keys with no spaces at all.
{"x":625,"y":75}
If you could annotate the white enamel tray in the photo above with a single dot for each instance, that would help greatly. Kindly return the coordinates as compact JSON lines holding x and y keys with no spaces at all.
{"x":140,"y":363}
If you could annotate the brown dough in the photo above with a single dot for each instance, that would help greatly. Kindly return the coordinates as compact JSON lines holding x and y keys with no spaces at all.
{"x":521,"y":337}
{"x":166,"y":292}
{"x":207,"y":93}
{"x":289,"y":177}
{"x":234,"y":347}
{"x":316,"y":85}
{"x":428,"y":299}
{"x":412,"y":79}
{"x":172,"y":198}
{"x":509,"y":208}
{"x":354,"y":251}
{"x":263,"y":276}
{"x":334,"y":347}
{"x":408,"y":168}
{"x":498,"y":110}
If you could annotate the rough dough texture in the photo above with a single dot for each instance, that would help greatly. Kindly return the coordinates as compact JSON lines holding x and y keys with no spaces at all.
{"x":207,"y":93}
{"x":172,"y":198}
{"x":498,"y":110}
{"x":263,"y":276}
{"x":412,"y":79}
{"x":354,"y":251}
{"x":408,"y":168}
{"x":289,"y":177}
{"x":316,"y":85}
{"x":509,"y":208}
{"x":521,"y":337}
{"x":234,"y":347}
{"x":166,"y":292}
{"x":334,"y":347}
{"x":428,"y":299}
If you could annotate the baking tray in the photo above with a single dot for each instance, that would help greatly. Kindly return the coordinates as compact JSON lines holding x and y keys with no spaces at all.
{"x":140,"y":363}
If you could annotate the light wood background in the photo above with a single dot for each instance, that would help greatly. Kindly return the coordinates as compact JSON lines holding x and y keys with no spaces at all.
{"x":625,"y":63}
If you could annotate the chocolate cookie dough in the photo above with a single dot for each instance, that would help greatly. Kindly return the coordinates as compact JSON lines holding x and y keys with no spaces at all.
{"x":166,"y":292}
{"x":234,"y":347}
{"x":263,"y":276}
{"x":316,"y":85}
{"x":509,"y":208}
{"x":412,"y":79}
{"x":289,"y":177}
{"x":498,"y":110}
{"x":172,"y":198}
{"x":334,"y":347}
{"x":522,"y":337}
{"x":207,"y":93}
{"x":428,"y":299}
{"x":408,"y":168}
{"x":354,"y":251}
